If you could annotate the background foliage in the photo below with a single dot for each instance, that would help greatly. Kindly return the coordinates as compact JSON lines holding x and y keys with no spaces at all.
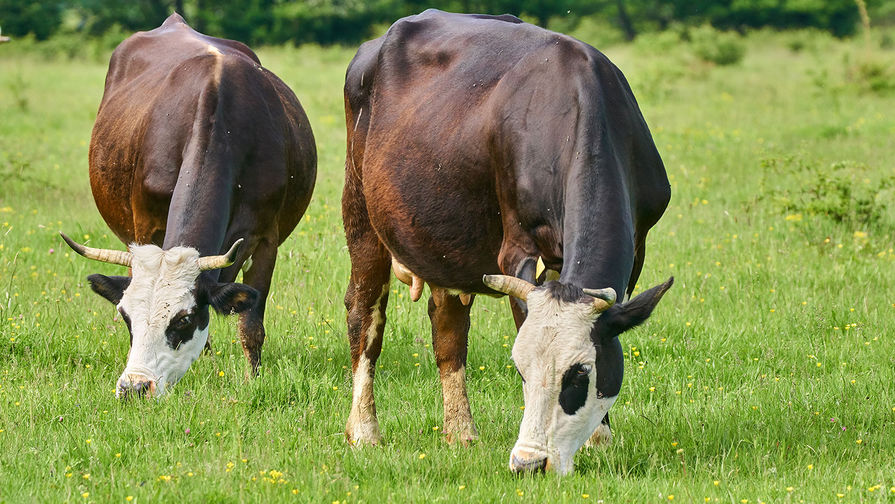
{"x":351,"y":21}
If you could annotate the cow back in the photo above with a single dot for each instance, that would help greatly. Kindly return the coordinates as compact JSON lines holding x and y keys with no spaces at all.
{"x":484,"y":133}
{"x":194,"y":137}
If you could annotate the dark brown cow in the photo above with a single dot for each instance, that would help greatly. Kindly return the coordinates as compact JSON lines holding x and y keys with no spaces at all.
{"x":196,"y":147}
{"x":476,"y":145}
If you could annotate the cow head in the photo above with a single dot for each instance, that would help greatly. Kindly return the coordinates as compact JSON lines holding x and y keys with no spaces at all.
{"x":165,"y":306}
{"x":556,"y":355}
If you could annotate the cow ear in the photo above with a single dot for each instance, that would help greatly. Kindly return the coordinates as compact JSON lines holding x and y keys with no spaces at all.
{"x":229,"y":298}
{"x":111,"y":288}
{"x":621,"y":317}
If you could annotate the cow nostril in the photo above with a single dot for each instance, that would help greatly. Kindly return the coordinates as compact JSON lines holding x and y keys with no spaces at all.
{"x":141,"y":388}
{"x":528,"y":465}
{"x":126,"y":393}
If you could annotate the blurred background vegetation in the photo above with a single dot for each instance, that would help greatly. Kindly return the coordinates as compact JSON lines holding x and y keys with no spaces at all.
{"x":351,"y":21}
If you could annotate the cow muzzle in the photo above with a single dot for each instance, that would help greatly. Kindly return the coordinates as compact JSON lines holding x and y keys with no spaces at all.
{"x":529,"y":461}
{"x":135,"y":385}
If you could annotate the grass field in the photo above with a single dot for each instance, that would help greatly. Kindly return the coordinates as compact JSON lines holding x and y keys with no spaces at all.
{"x":767,"y":374}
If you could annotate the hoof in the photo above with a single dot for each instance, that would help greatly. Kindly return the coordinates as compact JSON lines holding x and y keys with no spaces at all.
{"x":463,"y":437}
{"x":363,"y":434}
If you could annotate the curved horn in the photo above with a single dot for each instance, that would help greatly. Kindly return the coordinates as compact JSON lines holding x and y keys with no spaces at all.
{"x":607,"y":294}
{"x":512,"y":286}
{"x":603,"y":298}
{"x":109,"y":256}
{"x":220,"y":261}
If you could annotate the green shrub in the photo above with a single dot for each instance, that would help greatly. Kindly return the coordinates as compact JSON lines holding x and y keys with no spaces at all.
{"x":594,"y":30}
{"x":886,"y":41}
{"x":18,"y":89}
{"x":713,"y":46}
{"x":72,"y":45}
{"x":874,"y":74}
{"x":663,"y":42}
{"x":808,"y":39}
{"x":847,"y":193}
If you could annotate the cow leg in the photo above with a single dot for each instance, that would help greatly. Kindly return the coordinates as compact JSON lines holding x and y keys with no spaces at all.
{"x":450,"y":329}
{"x":251,"y":322}
{"x":602,"y":436}
{"x":365,"y":302}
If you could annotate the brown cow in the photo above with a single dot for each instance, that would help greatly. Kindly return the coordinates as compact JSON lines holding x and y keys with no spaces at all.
{"x":477,"y":145}
{"x":196,"y":147}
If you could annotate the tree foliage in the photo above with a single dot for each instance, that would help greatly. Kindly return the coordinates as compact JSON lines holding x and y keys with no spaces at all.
{"x":350,"y":21}
{"x":41,"y":19}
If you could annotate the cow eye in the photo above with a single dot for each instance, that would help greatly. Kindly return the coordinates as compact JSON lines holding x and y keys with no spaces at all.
{"x":183,"y":322}
{"x":584,"y":369}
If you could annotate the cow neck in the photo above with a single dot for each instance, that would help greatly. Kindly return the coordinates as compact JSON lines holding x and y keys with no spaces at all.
{"x":598,"y":232}
{"x":199,"y":213}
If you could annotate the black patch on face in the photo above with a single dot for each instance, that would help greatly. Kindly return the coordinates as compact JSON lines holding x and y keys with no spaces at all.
{"x":127,"y":322}
{"x":183,"y":326}
{"x":610,"y":368}
{"x":202,"y":317}
{"x":520,"y":374}
{"x":574,"y":389}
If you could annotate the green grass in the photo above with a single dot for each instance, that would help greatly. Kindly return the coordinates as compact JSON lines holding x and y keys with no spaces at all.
{"x":765,"y":375}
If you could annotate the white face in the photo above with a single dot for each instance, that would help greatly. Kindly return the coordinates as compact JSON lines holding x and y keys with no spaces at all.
{"x":168,"y":329}
{"x":556,"y":358}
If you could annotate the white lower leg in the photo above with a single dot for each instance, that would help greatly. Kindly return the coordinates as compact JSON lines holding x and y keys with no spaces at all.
{"x":363,"y":427}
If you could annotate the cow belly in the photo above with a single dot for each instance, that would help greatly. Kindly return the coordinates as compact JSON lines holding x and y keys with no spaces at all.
{"x":445,"y":235}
